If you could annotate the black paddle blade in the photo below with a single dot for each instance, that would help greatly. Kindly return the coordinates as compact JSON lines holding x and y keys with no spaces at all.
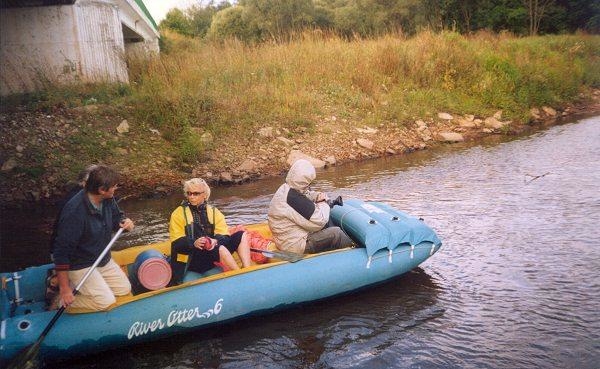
{"x":292,"y":257}
{"x":28,"y":358}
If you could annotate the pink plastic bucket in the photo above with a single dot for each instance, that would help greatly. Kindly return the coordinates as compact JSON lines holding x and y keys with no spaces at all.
{"x":152,"y":269}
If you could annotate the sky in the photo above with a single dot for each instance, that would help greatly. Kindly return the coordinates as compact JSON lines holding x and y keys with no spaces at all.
{"x":159,"y":8}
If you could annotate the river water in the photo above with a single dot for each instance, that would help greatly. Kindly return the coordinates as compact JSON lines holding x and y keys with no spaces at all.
{"x":515,"y":284}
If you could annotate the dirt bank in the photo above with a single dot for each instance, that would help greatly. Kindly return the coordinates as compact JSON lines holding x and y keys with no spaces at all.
{"x":41,"y":151}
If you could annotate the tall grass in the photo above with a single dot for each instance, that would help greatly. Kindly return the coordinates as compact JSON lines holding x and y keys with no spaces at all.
{"x":234,"y":87}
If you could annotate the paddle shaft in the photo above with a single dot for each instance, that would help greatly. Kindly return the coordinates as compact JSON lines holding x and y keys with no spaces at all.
{"x":28,"y":354}
{"x":104,"y":252}
{"x":82,"y":281}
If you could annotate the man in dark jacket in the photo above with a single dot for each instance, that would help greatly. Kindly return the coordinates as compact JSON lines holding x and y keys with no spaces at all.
{"x":82,"y":177}
{"x":84,"y":229}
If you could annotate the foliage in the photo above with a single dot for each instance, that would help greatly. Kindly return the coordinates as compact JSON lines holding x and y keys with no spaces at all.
{"x":190,"y":147}
{"x":177,"y":21}
{"x":233,"y":23}
{"x":194,"y":21}
{"x":265,"y":20}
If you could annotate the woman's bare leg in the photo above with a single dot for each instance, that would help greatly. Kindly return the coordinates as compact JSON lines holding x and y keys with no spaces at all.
{"x":227,"y":259}
{"x":244,"y":250}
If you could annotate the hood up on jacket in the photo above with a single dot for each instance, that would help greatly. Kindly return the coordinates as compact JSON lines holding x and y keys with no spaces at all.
{"x":300,"y":175}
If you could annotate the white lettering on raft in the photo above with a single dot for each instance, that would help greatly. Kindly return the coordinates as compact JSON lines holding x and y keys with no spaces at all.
{"x":175,"y":317}
{"x":372,"y":208}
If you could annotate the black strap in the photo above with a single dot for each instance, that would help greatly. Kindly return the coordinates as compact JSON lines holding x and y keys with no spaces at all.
{"x":200,"y":226}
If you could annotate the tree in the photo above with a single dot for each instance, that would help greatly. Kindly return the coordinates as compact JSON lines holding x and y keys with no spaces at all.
{"x":393,"y":15}
{"x":375,"y":17}
{"x":500,"y":15}
{"x":458,"y":14}
{"x":593,"y":23}
{"x":259,"y":20}
{"x":233,"y":22}
{"x":201,"y":16}
{"x":279,"y":17}
{"x":194,"y":21}
{"x":467,"y":8}
{"x":349,"y":21}
{"x":177,"y":21}
{"x":581,"y":15}
{"x":536,"y":10}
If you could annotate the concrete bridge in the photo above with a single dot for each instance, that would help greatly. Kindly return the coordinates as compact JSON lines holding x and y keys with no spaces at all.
{"x":50,"y":42}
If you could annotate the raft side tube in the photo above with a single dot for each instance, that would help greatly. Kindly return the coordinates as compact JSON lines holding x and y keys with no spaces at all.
{"x":398,"y":227}
{"x":420,"y":232}
{"x":363,"y":229}
{"x":28,"y":285}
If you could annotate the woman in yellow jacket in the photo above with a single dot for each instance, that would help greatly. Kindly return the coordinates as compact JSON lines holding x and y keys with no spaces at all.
{"x":200,"y":237}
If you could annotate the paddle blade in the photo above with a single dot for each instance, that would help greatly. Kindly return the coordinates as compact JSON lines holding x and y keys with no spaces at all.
{"x":28,"y":358}
{"x":292,"y":257}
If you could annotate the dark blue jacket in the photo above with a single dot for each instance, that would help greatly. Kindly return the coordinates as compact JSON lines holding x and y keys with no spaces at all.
{"x":83,"y":232}
{"x":60,"y":205}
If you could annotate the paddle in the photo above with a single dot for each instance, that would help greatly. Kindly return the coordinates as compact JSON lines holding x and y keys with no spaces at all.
{"x":292,"y":257}
{"x":27,"y":357}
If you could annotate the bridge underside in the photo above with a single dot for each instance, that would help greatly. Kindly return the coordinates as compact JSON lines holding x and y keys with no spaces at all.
{"x":70,"y":41}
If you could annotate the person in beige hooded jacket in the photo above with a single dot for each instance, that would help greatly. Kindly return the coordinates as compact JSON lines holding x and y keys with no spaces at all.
{"x":299,"y":217}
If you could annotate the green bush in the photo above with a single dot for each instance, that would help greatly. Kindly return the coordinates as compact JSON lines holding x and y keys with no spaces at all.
{"x":190,"y":147}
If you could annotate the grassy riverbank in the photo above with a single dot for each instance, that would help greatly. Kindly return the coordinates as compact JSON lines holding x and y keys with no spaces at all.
{"x":197,"y":109}
{"x":389,"y":80}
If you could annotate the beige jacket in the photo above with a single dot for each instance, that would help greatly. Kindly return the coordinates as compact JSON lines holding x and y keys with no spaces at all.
{"x":293,"y":216}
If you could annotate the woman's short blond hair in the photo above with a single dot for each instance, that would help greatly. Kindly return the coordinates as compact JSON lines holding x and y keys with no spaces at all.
{"x":196,"y":181}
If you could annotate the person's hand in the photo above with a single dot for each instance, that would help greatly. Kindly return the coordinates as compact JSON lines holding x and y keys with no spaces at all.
{"x":199,"y":243}
{"x":322,"y":196}
{"x":126,"y":224}
{"x":205,"y":243}
{"x":66,"y":296}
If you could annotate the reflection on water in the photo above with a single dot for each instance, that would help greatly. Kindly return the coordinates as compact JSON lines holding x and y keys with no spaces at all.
{"x":515,"y":284}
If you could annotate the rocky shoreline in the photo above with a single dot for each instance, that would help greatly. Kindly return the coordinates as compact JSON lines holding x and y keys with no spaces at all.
{"x":38,"y":148}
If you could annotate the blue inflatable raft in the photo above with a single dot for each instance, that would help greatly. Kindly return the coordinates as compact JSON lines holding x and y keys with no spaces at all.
{"x":391,"y":247}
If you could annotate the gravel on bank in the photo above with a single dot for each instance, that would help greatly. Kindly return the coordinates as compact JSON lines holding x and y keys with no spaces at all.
{"x":41,"y":151}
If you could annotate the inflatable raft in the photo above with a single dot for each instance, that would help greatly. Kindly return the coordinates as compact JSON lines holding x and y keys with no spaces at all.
{"x":389,"y":242}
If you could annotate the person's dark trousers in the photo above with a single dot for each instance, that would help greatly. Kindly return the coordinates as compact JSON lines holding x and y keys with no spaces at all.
{"x":180,"y":258}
